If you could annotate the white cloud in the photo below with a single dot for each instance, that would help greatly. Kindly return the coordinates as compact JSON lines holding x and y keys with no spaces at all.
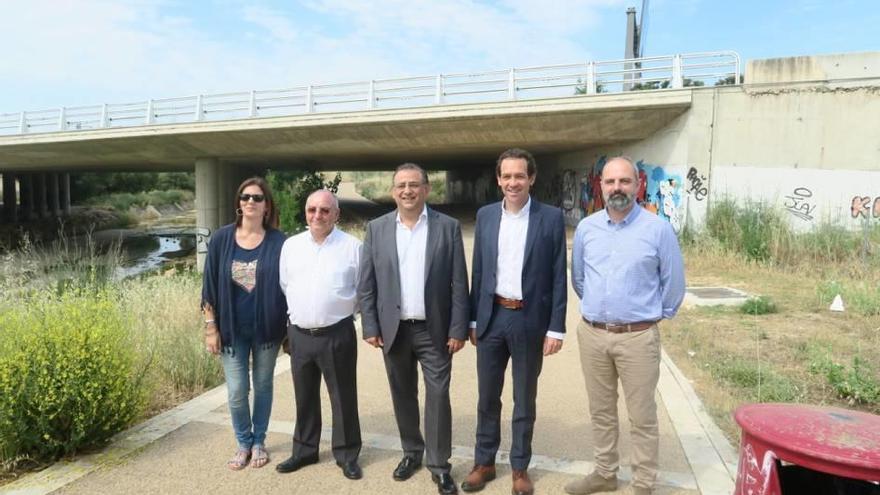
{"x":69,"y":52}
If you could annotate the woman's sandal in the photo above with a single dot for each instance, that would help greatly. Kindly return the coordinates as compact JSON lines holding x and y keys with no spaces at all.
{"x":259,"y":456}
{"x":239,"y":460}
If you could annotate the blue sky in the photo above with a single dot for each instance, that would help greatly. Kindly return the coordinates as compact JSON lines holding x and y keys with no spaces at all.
{"x":78,"y":52}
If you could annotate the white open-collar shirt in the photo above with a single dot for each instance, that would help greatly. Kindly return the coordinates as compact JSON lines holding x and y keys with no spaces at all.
{"x":320,"y":280}
{"x":411,"y":247}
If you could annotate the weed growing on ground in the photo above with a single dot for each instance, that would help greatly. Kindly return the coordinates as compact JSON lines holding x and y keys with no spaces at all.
{"x":757,"y":381}
{"x":758,"y":305}
{"x":853,"y":383}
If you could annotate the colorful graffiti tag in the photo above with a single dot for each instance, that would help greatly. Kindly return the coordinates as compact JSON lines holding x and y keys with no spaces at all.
{"x":861,"y":207}
{"x":659,"y":191}
{"x":580,"y":194}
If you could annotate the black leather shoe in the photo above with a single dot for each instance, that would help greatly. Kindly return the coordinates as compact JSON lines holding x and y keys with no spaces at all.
{"x":294,"y":463}
{"x":408,"y":465}
{"x":351,"y":470}
{"x":445,"y":484}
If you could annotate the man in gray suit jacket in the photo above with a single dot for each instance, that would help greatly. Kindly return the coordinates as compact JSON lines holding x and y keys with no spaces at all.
{"x":413,"y":295}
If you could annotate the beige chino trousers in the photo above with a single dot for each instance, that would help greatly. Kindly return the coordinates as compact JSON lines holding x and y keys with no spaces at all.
{"x":634,"y":359}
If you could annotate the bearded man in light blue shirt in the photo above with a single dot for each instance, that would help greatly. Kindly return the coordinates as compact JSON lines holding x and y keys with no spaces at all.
{"x":628,"y":272}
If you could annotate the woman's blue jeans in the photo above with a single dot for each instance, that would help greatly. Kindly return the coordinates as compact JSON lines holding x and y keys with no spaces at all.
{"x":250,"y":429}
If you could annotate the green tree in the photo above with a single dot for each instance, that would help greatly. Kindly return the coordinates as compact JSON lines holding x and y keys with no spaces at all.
{"x":291,"y":188}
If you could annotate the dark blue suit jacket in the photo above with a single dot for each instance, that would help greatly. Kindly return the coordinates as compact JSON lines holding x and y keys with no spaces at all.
{"x":545,"y":292}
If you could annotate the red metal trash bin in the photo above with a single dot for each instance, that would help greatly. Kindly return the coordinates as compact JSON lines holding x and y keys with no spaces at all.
{"x":791,"y":449}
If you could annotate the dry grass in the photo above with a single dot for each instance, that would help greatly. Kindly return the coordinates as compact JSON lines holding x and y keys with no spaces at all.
{"x":168,"y":329}
{"x":735,"y":358}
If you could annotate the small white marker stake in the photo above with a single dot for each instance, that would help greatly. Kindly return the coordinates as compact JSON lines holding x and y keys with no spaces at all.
{"x":837,"y":304}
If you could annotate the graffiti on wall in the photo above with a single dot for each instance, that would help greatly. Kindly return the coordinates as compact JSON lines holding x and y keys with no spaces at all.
{"x":861,"y":207}
{"x":698,"y":184}
{"x":799,"y":204}
{"x":580,"y":194}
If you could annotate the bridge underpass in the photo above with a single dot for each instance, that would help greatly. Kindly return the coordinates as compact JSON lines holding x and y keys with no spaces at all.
{"x":462,"y":139}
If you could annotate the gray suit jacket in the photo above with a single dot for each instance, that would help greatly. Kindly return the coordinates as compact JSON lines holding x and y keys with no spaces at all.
{"x":446,"y":287}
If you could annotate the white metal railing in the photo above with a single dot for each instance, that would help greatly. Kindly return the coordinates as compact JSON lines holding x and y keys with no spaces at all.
{"x":674,"y":71}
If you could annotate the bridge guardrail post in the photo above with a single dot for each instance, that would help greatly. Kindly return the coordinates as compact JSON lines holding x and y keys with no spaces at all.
{"x":511,"y":84}
{"x":149,"y":111}
{"x":310,"y":100}
{"x":62,"y":117}
{"x":371,"y":95}
{"x":200,"y":108}
{"x":105,"y":122}
{"x":677,"y":77}
{"x":252,"y":104}
{"x":438,"y":90}
{"x":22,"y":123}
{"x":591,"y":78}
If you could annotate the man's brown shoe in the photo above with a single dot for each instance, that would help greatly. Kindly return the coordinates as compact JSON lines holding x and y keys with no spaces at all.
{"x":480,"y":475}
{"x":522,"y":485}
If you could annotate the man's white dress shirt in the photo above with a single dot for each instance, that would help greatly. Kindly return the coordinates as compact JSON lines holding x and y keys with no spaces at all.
{"x":411,"y":247}
{"x":320,"y":280}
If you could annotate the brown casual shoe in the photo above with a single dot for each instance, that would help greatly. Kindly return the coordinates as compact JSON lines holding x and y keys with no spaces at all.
{"x":480,"y":475}
{"x":591,"y":484}
{"x":522,"y":485}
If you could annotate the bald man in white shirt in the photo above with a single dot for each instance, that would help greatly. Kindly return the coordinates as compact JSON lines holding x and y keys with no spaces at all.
{"x":318,"y":275}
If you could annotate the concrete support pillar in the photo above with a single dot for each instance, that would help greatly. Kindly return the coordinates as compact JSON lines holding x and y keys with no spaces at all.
{"x":42,"y":203}
{"x":26,"y":183}
{"x":65,"y":194}
{"x":207,"y":219}
{"x":225,"y":192}
{"x":53,"y":195}
{"x":10,"y":205}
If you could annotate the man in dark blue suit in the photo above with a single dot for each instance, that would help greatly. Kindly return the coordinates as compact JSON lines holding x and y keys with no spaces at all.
{"x":518,"y":297}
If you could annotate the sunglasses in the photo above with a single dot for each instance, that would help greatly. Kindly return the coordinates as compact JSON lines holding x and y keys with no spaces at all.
{"x":258,"y":198}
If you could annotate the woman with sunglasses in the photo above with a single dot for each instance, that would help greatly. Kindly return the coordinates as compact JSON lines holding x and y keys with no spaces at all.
{"x":245,"y":313}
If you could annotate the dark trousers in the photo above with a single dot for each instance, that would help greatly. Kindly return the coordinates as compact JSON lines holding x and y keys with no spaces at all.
{"x":333,"y":355}
{"x":413,"y":345}
{"x":506,"y":339}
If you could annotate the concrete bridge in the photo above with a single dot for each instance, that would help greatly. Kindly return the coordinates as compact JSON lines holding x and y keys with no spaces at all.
{"x":800,"y":132}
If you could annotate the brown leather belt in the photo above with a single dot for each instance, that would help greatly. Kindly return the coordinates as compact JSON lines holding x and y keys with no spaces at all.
{"x":509,"y":303}
{"x":621,"y":327}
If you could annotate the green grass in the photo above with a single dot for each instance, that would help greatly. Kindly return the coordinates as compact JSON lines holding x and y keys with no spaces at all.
{"x":757,"y":381}
{"x":854,"y":382}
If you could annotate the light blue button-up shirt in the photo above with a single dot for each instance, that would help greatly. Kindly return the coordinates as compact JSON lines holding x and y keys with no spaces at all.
{"x":627,"y":272}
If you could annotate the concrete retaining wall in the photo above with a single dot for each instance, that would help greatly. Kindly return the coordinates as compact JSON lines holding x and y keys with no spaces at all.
{"x":811,"y":149}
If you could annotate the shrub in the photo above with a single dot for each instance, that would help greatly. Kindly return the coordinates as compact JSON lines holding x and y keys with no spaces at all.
{"x":69,"y":378}
{"x":290,"y":189}
{"x":758,"y":305}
